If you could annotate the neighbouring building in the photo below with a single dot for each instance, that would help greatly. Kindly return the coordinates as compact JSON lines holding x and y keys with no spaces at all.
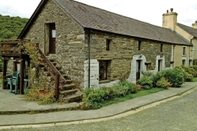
{"x":183,"y":55}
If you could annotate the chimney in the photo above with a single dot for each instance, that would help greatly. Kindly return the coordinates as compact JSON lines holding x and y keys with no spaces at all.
{"x":194,"y":25}
{"x":170,"y":20}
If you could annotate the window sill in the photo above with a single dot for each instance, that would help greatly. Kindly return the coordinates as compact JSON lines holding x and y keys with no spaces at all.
{"x":103,"y":81}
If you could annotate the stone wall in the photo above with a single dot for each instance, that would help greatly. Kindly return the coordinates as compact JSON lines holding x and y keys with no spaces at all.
{"x":123,"y":49}
{"x":70,"y":39}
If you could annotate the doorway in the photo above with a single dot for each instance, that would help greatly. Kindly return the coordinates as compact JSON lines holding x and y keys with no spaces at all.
{"x":138,"y":69}
{"x":52,"y":38}
{"x":159,"y":65}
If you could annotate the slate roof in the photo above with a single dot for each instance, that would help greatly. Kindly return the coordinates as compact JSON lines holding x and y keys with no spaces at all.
{"x":188,"y":29}
{"x":94,"y":18}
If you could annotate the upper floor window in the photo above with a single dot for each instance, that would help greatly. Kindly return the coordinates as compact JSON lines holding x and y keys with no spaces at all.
{"x":139,"y":45}
{"x":161,"y":48}
{"x":108,"y":42}
{"x":184,"y":50}
{"x":53,"y":30}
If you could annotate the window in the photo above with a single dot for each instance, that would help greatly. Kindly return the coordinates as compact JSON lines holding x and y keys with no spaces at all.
{"x":53,"y":30}
{"x":161,"y":48}
{"x":103,"y":69}
{"x":183,"y":62}
{"x":139,"y":45}
{"x":184,"y":50}
{"x":108,"y":41}
{"x":190,"y":62}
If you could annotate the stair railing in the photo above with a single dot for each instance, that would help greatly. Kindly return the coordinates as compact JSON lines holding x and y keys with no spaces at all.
{"x":53,"y":72}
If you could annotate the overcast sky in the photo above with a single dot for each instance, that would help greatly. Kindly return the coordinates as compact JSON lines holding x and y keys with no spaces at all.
{"x":144,"y":10}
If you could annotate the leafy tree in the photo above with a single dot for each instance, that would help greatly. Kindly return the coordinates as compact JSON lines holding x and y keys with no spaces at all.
{"x":10,"y":28}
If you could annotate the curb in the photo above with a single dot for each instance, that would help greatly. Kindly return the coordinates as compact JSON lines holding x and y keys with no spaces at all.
{"x":102,"y":118}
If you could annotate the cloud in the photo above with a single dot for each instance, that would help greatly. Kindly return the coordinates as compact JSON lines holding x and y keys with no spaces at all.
{"x":22,"y":8}
{"x":7,"y":10}
{"x":149,"y":11}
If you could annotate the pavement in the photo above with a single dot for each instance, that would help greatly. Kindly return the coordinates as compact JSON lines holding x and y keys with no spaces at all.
{"x":16,"y":112}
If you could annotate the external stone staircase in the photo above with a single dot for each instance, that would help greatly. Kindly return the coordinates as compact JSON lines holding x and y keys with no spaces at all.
{"x":68,"y":92}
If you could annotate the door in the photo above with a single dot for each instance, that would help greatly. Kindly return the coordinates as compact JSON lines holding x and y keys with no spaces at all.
{"x":138,"y":69}
{"x":52,"y":38}
{"x":159,"y":65}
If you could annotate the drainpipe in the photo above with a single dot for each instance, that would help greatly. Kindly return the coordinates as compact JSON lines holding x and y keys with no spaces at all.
{"x":193,"y":48}
{"x":173,"y":55}
{"x":89,"y":58}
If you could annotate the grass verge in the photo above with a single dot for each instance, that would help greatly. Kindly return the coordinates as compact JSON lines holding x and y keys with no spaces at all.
{"x":194,"y":79}
{"x":131,"y":96}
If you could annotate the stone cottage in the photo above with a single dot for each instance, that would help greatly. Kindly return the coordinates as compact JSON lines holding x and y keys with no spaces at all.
{"x":183,"y":55}
{"x":96,"y":47}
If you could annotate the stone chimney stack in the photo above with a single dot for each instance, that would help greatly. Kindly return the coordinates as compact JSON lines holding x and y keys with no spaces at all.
{"x":170,"y":20}
{"x":195,"y":25}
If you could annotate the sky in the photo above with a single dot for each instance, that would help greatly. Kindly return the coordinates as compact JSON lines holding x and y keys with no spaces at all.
{"x":149,"y":11}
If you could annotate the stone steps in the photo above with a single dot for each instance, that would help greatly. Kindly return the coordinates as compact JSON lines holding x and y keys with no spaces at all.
{"x":73,"y":98}
{"x":68,"y":91}
{"x":68,"y":86}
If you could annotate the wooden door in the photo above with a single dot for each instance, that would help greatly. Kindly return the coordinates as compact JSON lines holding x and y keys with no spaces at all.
{"x":52,"y":39}
{"x":159,"y":65}
{"x":138,"y":69}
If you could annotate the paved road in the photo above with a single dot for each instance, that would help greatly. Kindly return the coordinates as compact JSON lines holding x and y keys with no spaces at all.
{"x":177,"y":115}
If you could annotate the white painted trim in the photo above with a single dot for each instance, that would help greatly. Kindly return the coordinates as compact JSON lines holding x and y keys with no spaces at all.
{"x":94,"y":73}
{"x":159,"y":57}
{"x":132,"y":76}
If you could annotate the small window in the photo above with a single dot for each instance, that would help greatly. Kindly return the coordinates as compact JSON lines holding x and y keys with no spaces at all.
{"x":139,"y":45}
{"x":53,"y":30}
{"x":108,"y":41}
{"x":161,"y":48}
{"x":103,"y":70}
{"x":183,"y":62}
{"x":184,"y":50}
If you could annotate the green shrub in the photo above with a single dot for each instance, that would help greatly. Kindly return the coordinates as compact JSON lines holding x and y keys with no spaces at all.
{"x":92,"y":99}
{"x":175,"y":77}
{"x":188,"y":77}
{"x":127,"y":86}
{"x":191,"y":71}
{"x":147,"y":73}
{"x":146,"y":82}
{"x":194,"y":67}
{"x":180,"y":68}
{"x":156,"y":77}
{"x":163,"y":83}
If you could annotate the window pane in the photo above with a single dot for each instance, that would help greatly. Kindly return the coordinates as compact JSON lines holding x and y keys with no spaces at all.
{"x":53,"y":33}
{"x":103,"y":70}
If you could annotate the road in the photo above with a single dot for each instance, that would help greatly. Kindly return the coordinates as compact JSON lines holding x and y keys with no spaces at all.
{"x":176,"y":115}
